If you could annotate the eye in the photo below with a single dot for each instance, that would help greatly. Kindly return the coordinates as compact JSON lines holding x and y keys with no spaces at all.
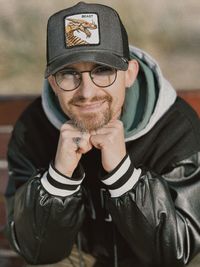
{"x":103,"y":70}
{"x":68,"y":74}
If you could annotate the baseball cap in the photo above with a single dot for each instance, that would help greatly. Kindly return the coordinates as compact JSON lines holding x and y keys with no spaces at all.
{"x":86,"y":32}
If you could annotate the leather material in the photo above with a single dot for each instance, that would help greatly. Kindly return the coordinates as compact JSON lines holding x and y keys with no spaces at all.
{"x":156,"y":223}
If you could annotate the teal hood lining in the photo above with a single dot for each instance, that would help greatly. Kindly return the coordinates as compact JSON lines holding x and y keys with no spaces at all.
{"x":139,"y":101}
{"x":52,"y":107}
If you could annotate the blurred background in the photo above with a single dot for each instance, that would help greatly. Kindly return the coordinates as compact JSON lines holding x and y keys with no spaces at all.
{"x":168,"y":30}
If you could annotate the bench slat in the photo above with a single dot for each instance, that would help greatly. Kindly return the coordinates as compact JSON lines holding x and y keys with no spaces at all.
{"x":12,"y":107}
{"x":3,"y":180}
{"x":4,"y":139}
{"x":192,"y":97}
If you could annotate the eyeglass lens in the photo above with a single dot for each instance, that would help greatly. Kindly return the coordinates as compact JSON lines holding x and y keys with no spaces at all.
{"x":69,"y":79}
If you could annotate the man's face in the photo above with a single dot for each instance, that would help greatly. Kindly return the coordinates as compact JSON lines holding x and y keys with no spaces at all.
{"x":91,"y":107}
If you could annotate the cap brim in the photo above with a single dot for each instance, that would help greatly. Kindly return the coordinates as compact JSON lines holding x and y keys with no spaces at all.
{"x":99,"y":57}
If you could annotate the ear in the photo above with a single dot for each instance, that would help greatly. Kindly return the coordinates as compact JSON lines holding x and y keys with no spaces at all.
{"x":53,"y":84}
{"x":131,"y":73}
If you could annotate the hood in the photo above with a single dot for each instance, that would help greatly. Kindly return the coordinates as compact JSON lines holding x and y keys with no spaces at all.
{"x":146,"y":100}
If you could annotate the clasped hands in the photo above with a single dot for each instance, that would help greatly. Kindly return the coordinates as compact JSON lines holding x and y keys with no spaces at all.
{"x":73,"y":143}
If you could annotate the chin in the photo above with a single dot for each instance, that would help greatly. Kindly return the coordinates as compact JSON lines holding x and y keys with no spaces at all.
{"x":92,"y":121}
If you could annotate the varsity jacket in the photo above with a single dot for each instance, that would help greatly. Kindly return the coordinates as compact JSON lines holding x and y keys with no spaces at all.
{"x":145,"y":213}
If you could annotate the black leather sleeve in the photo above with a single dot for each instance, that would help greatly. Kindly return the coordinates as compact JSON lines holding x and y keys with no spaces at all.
{"x":41,"y":227}
{"x":42,"y":221}
{"x":160,"y":216}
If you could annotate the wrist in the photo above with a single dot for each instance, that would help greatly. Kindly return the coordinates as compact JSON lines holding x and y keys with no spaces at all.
{"x":122,"y":179}
{"x":58,"y":184}
{"x":63,"y":169}
{"x":113,"y":161}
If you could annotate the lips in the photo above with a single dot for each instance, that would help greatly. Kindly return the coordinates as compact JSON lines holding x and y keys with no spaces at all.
{"x":96,"y":104}
{"x":90,"y":106}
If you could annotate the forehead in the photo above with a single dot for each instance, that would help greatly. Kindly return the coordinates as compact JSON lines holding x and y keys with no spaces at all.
{"x":82,"y":65}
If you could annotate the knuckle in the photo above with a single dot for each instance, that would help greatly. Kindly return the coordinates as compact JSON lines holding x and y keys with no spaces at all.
{"x":64,"y":135}
{"x":119,"y":124}
{"x":63,"y":127}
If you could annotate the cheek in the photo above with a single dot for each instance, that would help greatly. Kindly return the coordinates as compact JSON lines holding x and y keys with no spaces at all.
{"x":119,"y":100}
{"x":63,"y":101}
{"x":118,"y":95}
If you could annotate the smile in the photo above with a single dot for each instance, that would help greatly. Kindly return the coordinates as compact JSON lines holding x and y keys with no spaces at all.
{"x":90,"y":107}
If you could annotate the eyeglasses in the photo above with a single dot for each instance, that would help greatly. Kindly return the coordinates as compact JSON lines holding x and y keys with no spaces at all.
{"x":101,"y":76}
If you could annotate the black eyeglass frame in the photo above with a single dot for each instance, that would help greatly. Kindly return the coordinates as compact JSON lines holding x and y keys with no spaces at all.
{"x":80,"y":77}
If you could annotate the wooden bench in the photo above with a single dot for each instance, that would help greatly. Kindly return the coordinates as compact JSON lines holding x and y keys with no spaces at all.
{"x":10,"y":110}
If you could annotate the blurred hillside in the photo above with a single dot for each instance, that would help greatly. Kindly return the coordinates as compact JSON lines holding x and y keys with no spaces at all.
{"x":168,"y":30}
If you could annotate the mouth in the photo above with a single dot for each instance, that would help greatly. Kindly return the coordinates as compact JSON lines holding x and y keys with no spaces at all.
{"x":90,"y":107}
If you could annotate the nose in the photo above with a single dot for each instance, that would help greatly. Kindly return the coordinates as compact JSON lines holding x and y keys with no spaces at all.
{"x":87,"y":88}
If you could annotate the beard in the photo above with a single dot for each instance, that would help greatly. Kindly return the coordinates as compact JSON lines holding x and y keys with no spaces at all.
{"x":94,"y":120}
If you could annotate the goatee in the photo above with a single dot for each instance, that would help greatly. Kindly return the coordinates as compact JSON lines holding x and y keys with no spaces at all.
{"x":91,"y":121}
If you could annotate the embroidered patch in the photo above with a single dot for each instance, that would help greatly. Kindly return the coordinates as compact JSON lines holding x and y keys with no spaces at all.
{"x":81,"y":29}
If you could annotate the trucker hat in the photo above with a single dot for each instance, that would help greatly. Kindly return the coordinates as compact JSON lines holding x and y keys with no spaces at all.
{"x":86,"y":32}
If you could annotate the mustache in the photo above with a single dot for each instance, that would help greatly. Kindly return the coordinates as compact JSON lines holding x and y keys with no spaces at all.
{"x":81,"y":99}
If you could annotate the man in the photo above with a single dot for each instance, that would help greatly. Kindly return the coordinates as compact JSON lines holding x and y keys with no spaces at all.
{"x":109,"y":158}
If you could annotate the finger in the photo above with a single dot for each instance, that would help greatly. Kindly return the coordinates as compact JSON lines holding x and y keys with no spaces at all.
{"x":99,"y":141}
{"x":72,"y":138}
{"x":82,"y":142}
{"x":84,"y":146}
{"x":110,"y":128}
{"x":68,"y":127}
{"x":104,"y":130}
{"x":68,"y":130}
{"x":114,"y":123}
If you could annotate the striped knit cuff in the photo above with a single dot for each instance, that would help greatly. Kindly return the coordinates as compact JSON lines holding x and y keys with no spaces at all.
{"x":122,"y":178}
{"x":58,"y":184}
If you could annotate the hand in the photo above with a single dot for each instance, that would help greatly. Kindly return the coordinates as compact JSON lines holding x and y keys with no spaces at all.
{"x":68,"y":154}
{"x":110,"y":139}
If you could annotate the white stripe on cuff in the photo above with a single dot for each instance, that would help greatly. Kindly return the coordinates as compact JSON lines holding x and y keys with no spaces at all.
{"x":54,"y":190}
{"x":62,"y":179}
{"x":128,"y":185}
{"x":119,"y":173}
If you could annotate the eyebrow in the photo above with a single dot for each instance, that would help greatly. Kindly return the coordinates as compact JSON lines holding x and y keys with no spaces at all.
{"x":75,"y":69}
